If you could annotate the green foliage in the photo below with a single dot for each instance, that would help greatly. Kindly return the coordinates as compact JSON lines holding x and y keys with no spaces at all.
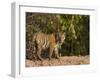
{"x":75,"y":26}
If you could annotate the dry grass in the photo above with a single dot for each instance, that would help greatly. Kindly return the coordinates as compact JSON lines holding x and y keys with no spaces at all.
{"x":65,"y":60}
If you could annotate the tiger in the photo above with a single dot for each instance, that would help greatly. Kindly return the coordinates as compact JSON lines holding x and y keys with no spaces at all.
{"x":52,"y":42}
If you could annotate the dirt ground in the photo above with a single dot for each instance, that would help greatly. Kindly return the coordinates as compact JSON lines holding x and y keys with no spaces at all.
{"x":65,"y":60}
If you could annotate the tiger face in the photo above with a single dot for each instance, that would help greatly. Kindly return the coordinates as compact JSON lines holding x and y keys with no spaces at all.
{"x":61,"y":37}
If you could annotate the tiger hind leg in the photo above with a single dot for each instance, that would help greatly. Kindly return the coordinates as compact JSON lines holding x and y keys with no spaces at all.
{"x":39,"y":54}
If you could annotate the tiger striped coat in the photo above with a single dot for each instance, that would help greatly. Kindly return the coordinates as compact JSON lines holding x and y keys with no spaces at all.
{"x":52,"y":42}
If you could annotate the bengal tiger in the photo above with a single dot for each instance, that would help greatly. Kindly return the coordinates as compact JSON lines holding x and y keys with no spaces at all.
{"x":42,"y":41}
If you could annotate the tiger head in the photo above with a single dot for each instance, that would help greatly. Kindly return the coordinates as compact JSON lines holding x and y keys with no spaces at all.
{"x":60,"y":37}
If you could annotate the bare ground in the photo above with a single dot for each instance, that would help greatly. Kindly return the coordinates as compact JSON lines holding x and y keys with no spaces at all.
{"x":65,"y":60}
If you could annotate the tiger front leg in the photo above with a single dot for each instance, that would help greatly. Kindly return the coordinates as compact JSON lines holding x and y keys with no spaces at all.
{"x":56,"y":53}
{"x":51,"y":52}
